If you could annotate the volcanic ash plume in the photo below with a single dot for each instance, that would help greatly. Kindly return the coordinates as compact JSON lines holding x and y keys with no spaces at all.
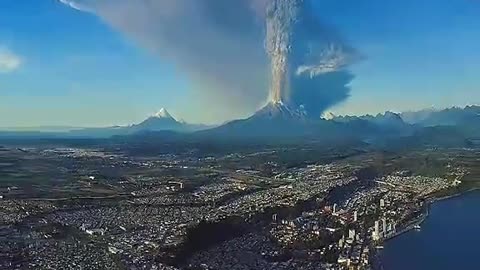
{"x":307,"y":60}
{"x":281,"y":16}
{"x":216,"y":48}
{"x":234,"y":50}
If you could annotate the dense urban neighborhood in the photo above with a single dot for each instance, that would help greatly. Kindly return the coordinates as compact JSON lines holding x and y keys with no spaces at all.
{"x":91,"y":208}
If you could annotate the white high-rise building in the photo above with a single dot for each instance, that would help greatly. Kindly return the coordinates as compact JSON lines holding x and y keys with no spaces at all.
{"x":376,"y":231}
{"x":382,"y":203}
{"x":355,"y":216}
{"x":384,"y":226}
{"x":341,"y":241}
{"x":351,"y":234}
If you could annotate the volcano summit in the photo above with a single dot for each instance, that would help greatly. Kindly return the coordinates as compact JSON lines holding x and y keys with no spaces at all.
{"x":308,"y":73}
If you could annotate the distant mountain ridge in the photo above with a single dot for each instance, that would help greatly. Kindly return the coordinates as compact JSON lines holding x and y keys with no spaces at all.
{"x":388,"y":121}
{"x":160,"y":121}
{"x":448,"y":117}
{"x":279,"y":120}
{"x":273,"y":120}
{"x":455,"y":116}
{"x":450,"y":127}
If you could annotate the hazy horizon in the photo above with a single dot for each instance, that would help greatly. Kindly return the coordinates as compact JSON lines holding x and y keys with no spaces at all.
{"x":66,"y":127}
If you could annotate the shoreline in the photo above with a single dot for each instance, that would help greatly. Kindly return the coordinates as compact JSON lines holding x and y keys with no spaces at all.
{"x":460,"y":193}
{"x":429,"y":202}
{"x":418,"y":221}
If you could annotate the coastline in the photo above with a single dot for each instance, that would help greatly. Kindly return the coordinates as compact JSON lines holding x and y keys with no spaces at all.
{"x":378,"y":265}
{"x":460,"y":193}
{"x":428,"y":203}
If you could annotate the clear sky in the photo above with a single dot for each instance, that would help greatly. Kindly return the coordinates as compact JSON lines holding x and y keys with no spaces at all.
{"x":60,"y":66}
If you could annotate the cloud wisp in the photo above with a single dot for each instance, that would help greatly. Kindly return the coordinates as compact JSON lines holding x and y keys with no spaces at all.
{"x":9,"y":61}
{"x":73,"y":4}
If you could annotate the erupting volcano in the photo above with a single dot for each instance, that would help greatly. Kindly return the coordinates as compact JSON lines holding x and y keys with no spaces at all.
{"x":242,"y":53}
{"x":305,"y":59}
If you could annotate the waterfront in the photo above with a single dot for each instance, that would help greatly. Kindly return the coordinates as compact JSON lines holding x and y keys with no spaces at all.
{"x":448,"y":239}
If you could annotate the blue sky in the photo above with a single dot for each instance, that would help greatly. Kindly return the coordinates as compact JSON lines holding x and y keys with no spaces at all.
{"x":66,"y":67}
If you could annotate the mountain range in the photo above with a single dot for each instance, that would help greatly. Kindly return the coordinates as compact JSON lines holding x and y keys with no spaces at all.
{"x":273,"y":120}
{"x":459,"y":127}
{"x":278,"y":120}
{"x":454,"y":116}
{"x":161,"y":121}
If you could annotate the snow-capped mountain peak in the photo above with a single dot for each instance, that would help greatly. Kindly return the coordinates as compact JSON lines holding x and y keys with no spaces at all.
{"x":328,"y":116}
{"x":163,"y":113}
{"x":280,"y":110}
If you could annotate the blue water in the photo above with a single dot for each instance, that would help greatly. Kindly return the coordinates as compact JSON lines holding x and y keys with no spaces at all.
{"x":449,"y":239}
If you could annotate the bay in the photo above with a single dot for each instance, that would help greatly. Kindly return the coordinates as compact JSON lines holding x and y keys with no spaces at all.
{"x":449,"y":238}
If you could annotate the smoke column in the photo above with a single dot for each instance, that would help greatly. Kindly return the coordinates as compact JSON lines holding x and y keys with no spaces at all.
{"x":280,"y":20}
{"x":239,"y":53}
{"x":307,"y":60}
